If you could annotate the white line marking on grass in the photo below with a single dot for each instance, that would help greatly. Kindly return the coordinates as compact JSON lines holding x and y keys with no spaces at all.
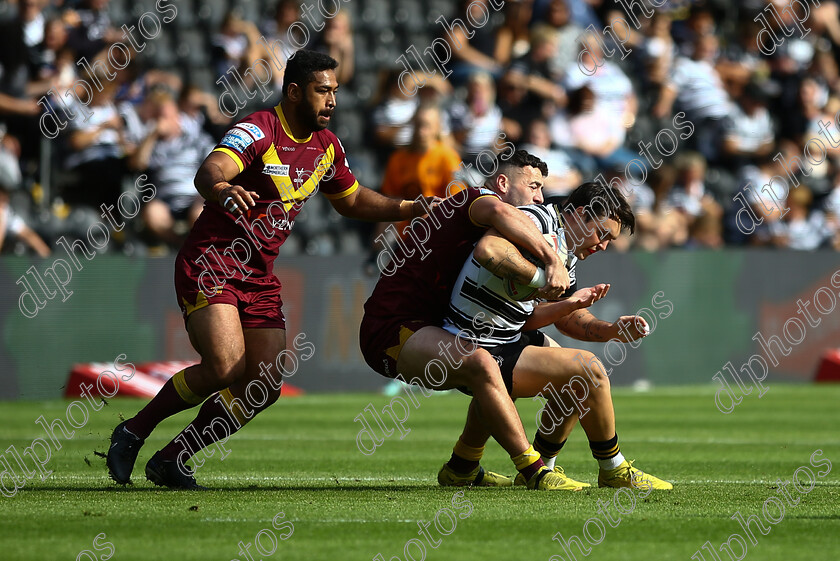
{"x":748,"y":482}
{"x":776,"y":441}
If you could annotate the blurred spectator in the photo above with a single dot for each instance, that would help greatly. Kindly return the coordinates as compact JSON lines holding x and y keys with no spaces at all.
{"x":10,"y":172}
{"x":14,"y":225}
{"x":699,"y":23}
{"x":336,"y":40}
{"x":91,"y":29}
{"x":476,"y":123}
{"x":286,"y":12}
{"x":515,"y":106}
{"x":660,"y":50}
{"x":235,"y":45}
{"x":593,"y":131}
{"x":748,"y":131}
{"x":562,"y":174}
{"x":819,"y":168}
{"x":761,"y":186}
{"x":33,"y":23}
{"x":706,"y":233}
{"x":537,"y":68}
{"x":425,"y":168}
{"x":97,"y":147}
{"x":566,"y":34}
{"x":698,"y":90}
{"x":689,"y":194}
{"x":825,"y":71}
{"x":476,"y":53}
{"x":513,"y":36}
{"x":612,"y":88}
{"x":171,"y":153}
{"x":203,"y":108}
{"x":743,"y":59}
{"x":660,"y":226}
{"x":50,"y":67}
{"x":18,"y":111}
{"x":392,"y":113}
{"x":801,"y":228}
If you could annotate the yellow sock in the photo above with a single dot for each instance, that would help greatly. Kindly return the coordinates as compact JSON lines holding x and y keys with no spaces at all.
{"x":184,"y":390}
{"x":235,"y":407}
{"x":467,"y":452}
{"x":526,"y":458}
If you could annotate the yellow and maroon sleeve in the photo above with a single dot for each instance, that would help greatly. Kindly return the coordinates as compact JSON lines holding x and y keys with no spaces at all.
{"x":248,"y":139}
{"x":342,"y":182}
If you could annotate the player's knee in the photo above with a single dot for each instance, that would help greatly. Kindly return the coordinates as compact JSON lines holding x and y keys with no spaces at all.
{"x":592,"y":370}
{"x":226,"y":370}
{"x":480,"y":368}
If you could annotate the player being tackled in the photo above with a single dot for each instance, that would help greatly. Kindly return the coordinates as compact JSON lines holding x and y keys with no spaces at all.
{"x":574,"y":381}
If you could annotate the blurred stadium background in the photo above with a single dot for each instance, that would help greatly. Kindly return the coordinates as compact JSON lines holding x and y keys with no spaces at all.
{"x":518,"y":75}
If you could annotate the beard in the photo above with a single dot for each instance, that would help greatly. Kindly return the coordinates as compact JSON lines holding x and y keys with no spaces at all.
{"x":312,"y":117}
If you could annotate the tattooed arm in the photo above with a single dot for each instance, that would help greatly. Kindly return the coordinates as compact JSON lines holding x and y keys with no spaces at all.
{"x":584,"y":326}
{"x":500,"y":257}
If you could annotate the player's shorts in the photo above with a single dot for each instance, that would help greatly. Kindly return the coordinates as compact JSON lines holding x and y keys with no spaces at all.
{"x":382,"y":339}
{"x":257,"y":298}
{"x":506,"y":356}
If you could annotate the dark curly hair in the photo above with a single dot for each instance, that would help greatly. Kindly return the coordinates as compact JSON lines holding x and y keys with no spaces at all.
{"x":598,"y":200}
{"x":302,"y":65}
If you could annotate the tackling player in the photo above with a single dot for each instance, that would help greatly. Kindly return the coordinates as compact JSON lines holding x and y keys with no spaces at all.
{"x":401,"y":331}
{"x":531,"y":362}
{"x":254,"y":182}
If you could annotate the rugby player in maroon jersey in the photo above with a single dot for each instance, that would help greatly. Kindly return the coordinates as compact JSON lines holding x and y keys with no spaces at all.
{"x":401,"y":334}
{"x":254,"y":182}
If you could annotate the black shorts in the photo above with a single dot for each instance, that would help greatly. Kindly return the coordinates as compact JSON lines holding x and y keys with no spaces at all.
{"x":508,"y":355}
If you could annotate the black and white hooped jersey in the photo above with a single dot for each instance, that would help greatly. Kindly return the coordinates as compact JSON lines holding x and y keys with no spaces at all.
{"x":480,"y":302}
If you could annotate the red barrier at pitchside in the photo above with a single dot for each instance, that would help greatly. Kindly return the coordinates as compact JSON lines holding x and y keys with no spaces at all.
{"x":829,"y":369}
{"x":146,"y":381}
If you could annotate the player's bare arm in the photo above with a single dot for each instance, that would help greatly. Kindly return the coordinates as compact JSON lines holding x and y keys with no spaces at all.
{"x":584,"y":326}
{"x":517,"y":228}
{"x":550,"y":312}
{"x":212,"y":180}
{"x":366,"y":204}
{"x":501,"y":258}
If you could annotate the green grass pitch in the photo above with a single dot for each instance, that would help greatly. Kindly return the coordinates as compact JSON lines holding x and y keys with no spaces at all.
{"x":300,"y":458}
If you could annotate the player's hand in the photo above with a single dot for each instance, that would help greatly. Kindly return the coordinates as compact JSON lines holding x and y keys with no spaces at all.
{"x":420,"y":207}
{"x":585,"y":297}
{"x":557,"y":281}
{"x":631,"y":328}
{"x":236,"y":200}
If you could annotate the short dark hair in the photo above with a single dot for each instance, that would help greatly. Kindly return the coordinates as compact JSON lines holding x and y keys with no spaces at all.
{"x":519,"y":159}
{"x":592,"y":195}
{"x":302,"y":65}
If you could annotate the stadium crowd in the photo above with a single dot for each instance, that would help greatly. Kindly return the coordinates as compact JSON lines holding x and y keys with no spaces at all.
{"x":698,"y":68}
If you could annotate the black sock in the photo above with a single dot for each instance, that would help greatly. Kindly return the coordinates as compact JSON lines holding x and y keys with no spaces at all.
{"x":546,"y":448}
{"x":604,"y":449}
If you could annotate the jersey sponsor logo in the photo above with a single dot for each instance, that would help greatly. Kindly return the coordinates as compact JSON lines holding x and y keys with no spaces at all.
{"x":485,"y":191}
{"x":253,"y":130}
{"x":289,"y":148}
{"x":237,"y":139}
{"x":281,"y":170}
{"x":314,"y":148}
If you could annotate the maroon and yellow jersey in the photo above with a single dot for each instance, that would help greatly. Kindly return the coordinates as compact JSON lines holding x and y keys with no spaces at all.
{"x":284,"y":171}
{"x":420,"y":288}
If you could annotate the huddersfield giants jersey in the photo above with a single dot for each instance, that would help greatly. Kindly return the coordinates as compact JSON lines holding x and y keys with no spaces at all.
{"x":284,"y":171}
{"x":419,"y":288}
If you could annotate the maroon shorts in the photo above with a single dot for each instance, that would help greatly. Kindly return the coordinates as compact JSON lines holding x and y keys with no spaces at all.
{"x":257,"y":298}
{"x":382,"y":339}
